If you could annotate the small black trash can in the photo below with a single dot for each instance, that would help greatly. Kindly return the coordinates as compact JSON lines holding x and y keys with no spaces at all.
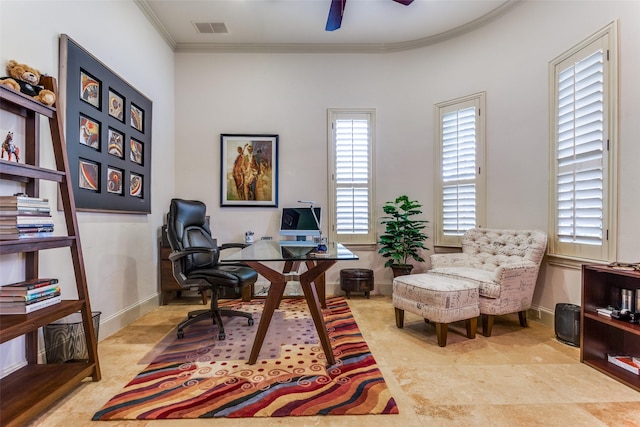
{"x":64,"y":339}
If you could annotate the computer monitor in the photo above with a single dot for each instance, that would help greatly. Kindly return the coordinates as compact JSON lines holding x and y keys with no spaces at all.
{"x":300,"y":222}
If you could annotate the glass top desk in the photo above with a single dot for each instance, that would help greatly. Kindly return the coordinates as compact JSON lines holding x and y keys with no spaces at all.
{"x":263,"y":251}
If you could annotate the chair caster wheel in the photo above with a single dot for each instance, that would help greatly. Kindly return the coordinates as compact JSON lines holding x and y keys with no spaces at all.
{"x":221,"y":336}
{"x":250,"y":322}
{"x":180,"y":334}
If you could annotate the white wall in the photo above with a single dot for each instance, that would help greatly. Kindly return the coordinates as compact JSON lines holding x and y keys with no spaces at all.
{"x":289,"y":94}
{"x":119,"y":249}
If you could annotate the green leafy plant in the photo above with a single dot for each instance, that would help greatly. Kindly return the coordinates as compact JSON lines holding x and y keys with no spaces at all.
{"x":403,"y":236}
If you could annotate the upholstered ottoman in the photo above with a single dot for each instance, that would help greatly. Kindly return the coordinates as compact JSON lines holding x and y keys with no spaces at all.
{"x":439,"y":299}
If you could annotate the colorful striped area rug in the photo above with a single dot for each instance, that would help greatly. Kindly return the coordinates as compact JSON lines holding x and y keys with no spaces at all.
{"x":200,"y":377}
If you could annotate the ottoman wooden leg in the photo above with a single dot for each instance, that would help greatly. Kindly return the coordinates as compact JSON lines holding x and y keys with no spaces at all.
{"x":472,"y":325}
{"x":441,"y":333}
{"x":348,"y":294}
{"x":399,"y":318}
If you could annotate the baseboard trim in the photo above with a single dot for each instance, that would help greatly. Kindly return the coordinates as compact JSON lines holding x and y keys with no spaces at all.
{"x":118,"y":320}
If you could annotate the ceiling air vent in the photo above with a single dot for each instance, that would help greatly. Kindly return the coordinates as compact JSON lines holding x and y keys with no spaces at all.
{"x":211,"y":27}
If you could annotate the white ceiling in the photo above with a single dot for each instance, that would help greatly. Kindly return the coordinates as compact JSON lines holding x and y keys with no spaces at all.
{"x":299,"y":25}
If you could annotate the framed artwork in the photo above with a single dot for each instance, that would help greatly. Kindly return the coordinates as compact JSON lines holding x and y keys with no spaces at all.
{"x":116,"y":143}
{"x":108,"y":133}
{"x":249,"y":170}
{"x":89,"y":175}
{"x":89,"y":89}
{"x":114,"y":180}
{"x":137,"y":117}
{"x":135,"y":185}
{"x":135,"y":151}
{"x":89,"y":132}
{"x":116,"y":105}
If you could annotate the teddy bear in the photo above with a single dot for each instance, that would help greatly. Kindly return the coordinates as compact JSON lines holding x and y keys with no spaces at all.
{"x":25,"y":79}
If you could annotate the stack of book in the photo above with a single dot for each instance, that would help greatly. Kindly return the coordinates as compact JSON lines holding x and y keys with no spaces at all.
{"x":631,"y":364}
{"x":24,"y":216}
{"x":28,"y":296}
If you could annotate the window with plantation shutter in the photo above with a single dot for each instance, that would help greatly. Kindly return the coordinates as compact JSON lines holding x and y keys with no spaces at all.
{"x":582,"y":151}
{"x":459,"y":168}
{"x":351,"y":172}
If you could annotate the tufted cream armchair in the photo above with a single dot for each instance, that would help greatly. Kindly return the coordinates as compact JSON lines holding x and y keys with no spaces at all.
{"x":504,"y":264}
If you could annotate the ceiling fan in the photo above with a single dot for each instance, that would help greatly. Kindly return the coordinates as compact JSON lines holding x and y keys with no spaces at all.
{"x":334,"y":21}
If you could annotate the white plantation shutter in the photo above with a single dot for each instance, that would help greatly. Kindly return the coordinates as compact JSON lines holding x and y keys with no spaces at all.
{"x":579,"y":152}
{"x":581,"y":156}
{"x":459,"y":158}
{"x":459,"y":171}
{"x":351,"y":173}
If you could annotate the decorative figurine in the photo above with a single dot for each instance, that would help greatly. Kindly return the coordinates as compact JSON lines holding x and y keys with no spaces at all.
{"x":11,"y":148}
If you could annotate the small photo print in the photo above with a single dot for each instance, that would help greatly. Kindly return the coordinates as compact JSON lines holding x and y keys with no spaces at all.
{"x":136,"y":152}
{"x":137,"y":117}
{"x":88,"y":175}
{"x":114,"y":180}
{"x":11,"y":147}
{"x":135,"y":185}
{"x":115,"y":146}
{"x":89,"y":132}
{"x":89,"y":89}
{"x":116,"y":105}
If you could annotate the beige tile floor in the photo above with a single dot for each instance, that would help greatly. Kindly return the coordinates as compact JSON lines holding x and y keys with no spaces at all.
{"x":517,"y":377}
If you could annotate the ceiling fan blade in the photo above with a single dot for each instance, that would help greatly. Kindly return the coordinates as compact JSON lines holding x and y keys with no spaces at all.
{"x":404,"y":2}
{"x":334,"y":21}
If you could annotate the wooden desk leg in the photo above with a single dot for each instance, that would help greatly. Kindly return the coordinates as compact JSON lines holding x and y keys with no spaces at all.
{"x":320,"y":283}
{"x":276,"y":290}
{"x":311,"y":295}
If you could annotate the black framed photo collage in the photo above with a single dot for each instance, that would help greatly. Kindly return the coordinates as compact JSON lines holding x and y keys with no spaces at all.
{"x":108,"y":135}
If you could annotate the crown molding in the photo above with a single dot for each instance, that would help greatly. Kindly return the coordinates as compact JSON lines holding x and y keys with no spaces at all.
{"x":321,"y":47}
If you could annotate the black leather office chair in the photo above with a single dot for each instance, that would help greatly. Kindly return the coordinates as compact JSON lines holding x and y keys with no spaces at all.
{"x":194,"y":258}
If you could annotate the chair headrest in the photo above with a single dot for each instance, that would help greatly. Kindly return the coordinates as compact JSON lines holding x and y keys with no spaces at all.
{"x":184,"y":214}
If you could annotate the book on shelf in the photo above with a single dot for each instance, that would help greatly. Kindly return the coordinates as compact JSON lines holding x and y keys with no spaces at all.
{"x":604,"y":312}
{"x":30,"y":298}
{"x":22,"y":221}
{"x":12,"y":211}
{"x":27,"y":228}
{"x":30,"y":284}
{"x":8,"y":291}
{"x":625,"y":362}
{"x":23,"y":201}
{"x":29,"y":234}
{"x":30,"y":308}
{"x":6,"y":304}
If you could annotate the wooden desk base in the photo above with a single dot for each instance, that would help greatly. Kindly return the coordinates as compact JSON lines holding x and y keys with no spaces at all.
{"x":316,"y":269}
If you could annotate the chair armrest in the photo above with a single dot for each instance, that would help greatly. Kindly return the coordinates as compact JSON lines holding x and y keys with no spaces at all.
{"x":517,"y":275}
{"x":176,"y":255}
{"x":232,"y":245}
{"x":449,"y":260}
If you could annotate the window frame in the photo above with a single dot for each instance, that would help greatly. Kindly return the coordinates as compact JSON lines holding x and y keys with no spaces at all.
{"x":477,"y":100}
{"x":567,"y":253}
{"x":366,"y":239}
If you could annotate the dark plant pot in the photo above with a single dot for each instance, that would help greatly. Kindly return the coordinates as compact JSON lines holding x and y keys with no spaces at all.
{"x":401,"y":270}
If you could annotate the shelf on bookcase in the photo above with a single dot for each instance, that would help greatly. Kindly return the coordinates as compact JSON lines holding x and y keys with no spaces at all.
{"x":19,"y":404}
{"x":15,"y":325}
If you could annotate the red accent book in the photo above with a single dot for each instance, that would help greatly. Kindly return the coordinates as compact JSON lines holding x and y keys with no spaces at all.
{"x":625,"y":362}
{"x":27,"y":285}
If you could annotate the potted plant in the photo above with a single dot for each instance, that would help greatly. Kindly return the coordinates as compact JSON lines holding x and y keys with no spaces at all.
{"x":403,"y":237}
